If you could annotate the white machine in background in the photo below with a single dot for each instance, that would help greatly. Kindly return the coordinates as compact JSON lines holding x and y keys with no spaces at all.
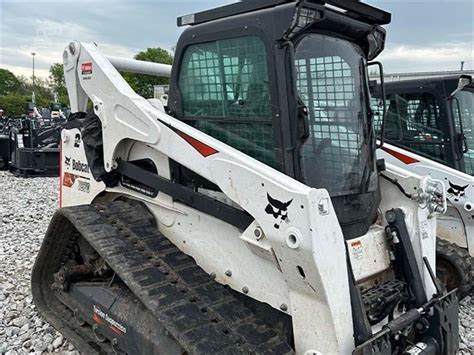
{"x":429,"y":131}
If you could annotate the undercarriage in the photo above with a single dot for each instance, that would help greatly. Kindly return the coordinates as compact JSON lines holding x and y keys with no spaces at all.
{"x":121,"y":287}
{"x":178,"y":308}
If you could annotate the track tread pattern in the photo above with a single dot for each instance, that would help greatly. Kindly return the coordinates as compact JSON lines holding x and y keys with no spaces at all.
{"x":202,"y":315}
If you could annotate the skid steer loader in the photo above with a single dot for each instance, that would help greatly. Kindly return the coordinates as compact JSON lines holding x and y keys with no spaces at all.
{"x":248,"y":216}
{"x":429,"y":128}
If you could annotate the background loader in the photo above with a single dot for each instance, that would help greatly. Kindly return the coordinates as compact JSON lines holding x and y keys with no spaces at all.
{"x":248,"y":215}
{"x":429,"y":128}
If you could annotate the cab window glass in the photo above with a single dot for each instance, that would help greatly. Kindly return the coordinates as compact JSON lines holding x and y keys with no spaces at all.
{"x":225,"y":93}
{"x":463,"y":109}
{"x":414,"y":121}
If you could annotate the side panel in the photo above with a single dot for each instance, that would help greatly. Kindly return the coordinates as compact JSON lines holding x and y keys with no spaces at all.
{"x":421,"y":226}
{"x":76,"y":181}
{"x":459,"y":190}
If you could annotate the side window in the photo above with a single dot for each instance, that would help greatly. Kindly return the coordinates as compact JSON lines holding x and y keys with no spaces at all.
{"x":414,"y":120}
{"x":377,"y":108}
{"x":225,"y":93}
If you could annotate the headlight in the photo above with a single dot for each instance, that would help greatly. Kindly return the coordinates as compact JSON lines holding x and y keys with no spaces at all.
{"x":376,"y":40}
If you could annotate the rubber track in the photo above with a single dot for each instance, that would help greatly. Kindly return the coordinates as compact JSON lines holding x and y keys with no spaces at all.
{"x":202,"y":315}
{"x":461,"y":260}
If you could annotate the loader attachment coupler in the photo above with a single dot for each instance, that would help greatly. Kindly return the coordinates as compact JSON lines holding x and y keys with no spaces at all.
{"x":435,"y":322}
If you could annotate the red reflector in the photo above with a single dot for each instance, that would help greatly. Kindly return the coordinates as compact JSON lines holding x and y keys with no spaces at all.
{"x":202,"y":148}
{"x":402,"y":157}
{"x":97,"y":319}
{"x":60,"y":173}
{"x":68,"y":179}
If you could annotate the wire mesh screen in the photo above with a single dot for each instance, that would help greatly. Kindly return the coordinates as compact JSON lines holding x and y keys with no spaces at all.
{"x":463,"y":108}
{"x":226,"y":79}
{"x":253,"y":139}
{"x":326,"y":85}
{"x":414,"y":121}
{"x":225,"y":93}
{"x":377,"y":109}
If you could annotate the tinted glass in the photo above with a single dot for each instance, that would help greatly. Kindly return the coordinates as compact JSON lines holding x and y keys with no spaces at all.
{"x":414,"y":121}
{"x":225,"y":93}
{"x":338,"y":155}
{"x":226,"y":79}
{"x":465,"y":98}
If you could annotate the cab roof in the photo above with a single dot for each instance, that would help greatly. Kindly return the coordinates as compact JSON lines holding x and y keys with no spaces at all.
{"x":351,"y":8}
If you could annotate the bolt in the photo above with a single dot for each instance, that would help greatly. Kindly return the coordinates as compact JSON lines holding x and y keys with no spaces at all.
{"x":228,"y":273}
{"x":284,"y":307}
{"x":258,"y":233}
{"x":391,"y":217}
{"x":245,"y":289}
{"x":212,"y":275}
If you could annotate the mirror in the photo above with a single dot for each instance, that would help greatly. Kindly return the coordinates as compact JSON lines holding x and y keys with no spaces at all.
{"x":464,"y":80}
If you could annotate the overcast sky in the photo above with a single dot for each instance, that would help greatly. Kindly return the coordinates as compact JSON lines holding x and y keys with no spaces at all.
{"x":424,"y":35}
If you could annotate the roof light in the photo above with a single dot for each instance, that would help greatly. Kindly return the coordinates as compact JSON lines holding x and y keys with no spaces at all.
{"x":376,"y":40}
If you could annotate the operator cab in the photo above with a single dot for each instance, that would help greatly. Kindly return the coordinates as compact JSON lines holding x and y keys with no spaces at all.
{"x":431,"y":117}
{"x":286,"y":83}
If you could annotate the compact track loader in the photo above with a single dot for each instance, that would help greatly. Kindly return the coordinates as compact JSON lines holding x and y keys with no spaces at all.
{"x":248,"y":216}
{"x":430,"y":131}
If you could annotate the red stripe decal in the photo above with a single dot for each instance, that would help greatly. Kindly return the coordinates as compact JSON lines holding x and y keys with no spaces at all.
{"x":402,"y":157}
{"x":202,"y":148}
{"x":115,"y":330}
{"x":60,"y":173}
{"x":97,"y":319}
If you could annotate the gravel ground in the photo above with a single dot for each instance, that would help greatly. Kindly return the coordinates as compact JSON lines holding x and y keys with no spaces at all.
{"x":26,"y":206}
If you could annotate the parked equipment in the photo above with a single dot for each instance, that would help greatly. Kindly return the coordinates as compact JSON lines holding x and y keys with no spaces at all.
{"x":430,"y":130}
{"x":34,"y":148}
{"x":249,"y":217}
{"x":6,"y":125}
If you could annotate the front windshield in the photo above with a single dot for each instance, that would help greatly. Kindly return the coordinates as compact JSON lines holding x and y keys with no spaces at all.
{"x":331,"y":81}
{"x":465,"y":98}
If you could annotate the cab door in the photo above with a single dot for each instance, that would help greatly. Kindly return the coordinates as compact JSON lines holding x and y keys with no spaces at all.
{"x":417,"y":121}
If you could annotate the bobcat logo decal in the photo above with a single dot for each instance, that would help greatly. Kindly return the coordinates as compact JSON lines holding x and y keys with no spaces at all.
{"x":67,"y":161}
{"x":457,"y":191}
{"x":278,"y":209}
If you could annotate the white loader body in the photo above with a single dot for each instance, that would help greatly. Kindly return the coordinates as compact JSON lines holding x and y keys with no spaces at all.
{"x":298,"y":268}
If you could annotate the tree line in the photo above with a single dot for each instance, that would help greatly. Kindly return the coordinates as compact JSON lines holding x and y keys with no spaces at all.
{"x":16,"y":91}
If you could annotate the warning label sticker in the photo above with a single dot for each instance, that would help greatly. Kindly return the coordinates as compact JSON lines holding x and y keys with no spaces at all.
{"x":86,"y":68}
{"x":100,"y":317}
{"x":357,"y":250}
